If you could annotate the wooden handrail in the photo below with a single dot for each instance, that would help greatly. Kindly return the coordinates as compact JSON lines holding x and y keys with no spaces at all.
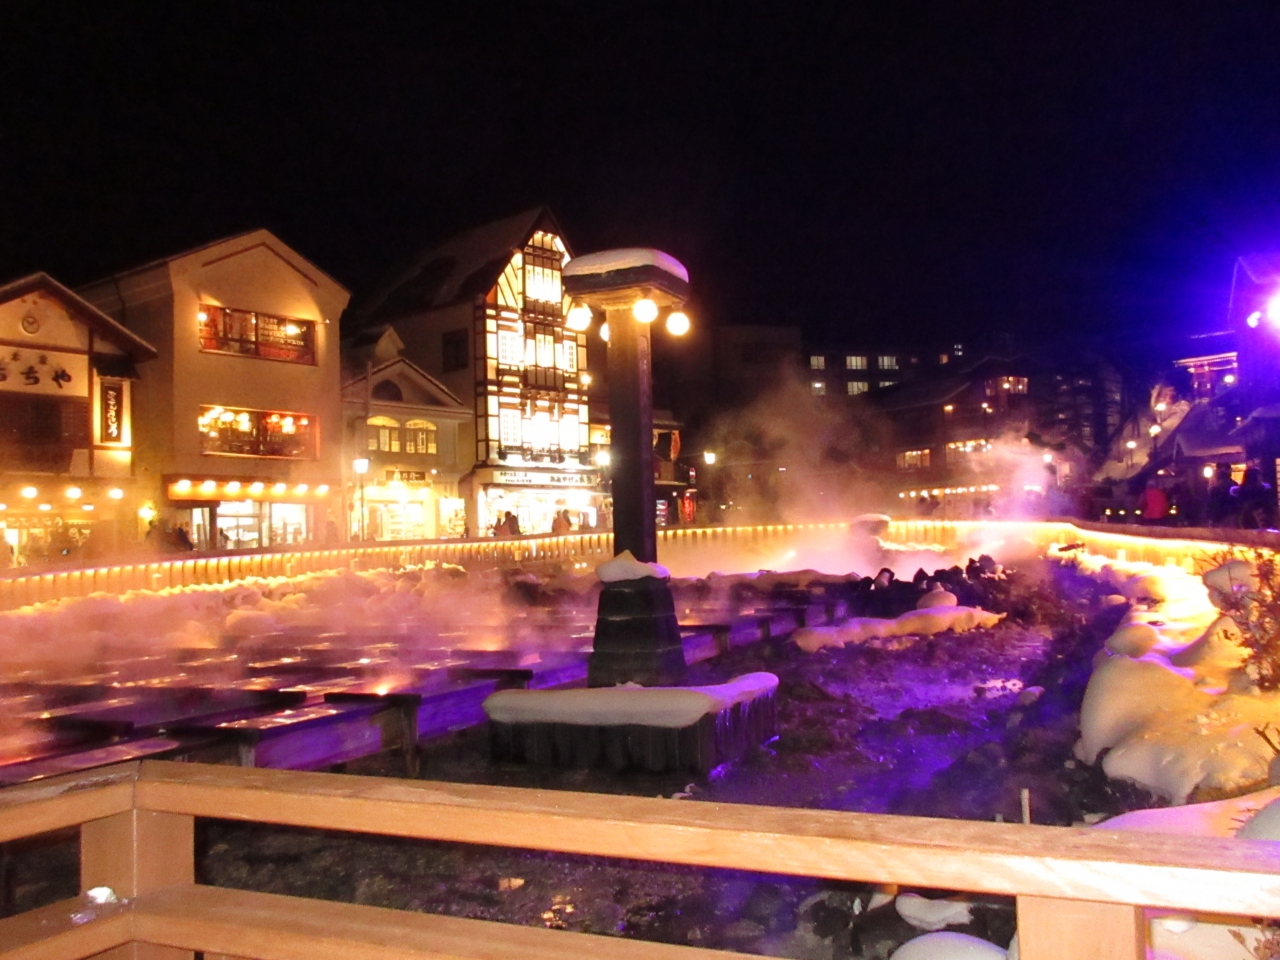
{"x":138,"y":838}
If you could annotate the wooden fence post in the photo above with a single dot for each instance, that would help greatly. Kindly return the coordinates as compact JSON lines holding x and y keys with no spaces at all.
{"x":139,"y":852}
{"x":1052,"y":929}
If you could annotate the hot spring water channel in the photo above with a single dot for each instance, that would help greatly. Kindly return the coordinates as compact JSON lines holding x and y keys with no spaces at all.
{"x":385,"y":672}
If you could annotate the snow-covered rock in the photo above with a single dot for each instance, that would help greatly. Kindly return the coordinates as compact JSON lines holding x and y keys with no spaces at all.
{"x":948,"y":946}
{"x":673,"y":707}
{"x":626,"y":567}
{"x":925,"y":914}
{"x":924,"y":623}
{"x":937,"y":597}
{"x":1133,"y":639}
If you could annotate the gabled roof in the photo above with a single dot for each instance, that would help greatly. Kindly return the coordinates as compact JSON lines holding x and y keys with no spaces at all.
{"x":182,"y":254}
{"x":101,"y":324}
{"x":447,"y":398}
{"x":466,"y":265}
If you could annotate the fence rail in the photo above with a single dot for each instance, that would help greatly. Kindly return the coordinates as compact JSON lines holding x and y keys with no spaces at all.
{"x":1156,"y":545}
{"x":1081,"y":893}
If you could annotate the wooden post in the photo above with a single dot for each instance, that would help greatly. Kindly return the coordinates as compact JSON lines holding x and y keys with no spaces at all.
{"x":1052,"y":929}
{"x":139,"y":852}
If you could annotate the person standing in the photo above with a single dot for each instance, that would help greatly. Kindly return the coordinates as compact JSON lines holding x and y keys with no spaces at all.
{"x":1255,"y":501}
{"x":1153,"y":504}
{"x":1219,"y":506}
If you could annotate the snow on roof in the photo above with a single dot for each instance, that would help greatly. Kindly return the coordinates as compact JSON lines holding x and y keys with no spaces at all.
{"x":670,"y":707}
{"x":627,"y":258}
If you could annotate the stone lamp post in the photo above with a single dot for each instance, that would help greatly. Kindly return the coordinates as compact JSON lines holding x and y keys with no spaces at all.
{"x":637,"y":638}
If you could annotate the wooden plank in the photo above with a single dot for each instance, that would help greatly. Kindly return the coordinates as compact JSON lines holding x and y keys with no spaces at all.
{"x":1181,"y":873}
{"x":1051,"y":929}
{"x":66,"y":801}
{"x":66,"y":930}
{"x":272,"y":927}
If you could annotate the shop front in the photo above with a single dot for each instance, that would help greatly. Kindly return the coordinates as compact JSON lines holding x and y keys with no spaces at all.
{"x":59,"y":522}
{"x":406,"y":505}
{"x":248,"y":513}
{"x":534,"y":497}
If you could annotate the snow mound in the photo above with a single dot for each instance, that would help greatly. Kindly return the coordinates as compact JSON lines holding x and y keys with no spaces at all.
{"x":948,"y":946}
{"x":1263,"y":825}
{"x":625,"y":567}
{"x":922,"y":623}
{"x":1220,"y":818}
{"x":672,"y":707}
{"x":1169,"y":704}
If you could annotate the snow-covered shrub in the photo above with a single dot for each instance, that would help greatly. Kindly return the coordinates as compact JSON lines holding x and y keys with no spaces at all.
{"x":1245,"y":585}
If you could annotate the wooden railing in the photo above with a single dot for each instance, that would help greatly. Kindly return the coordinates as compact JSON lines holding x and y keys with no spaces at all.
{"x":1080,"y":893}
{"x":1156,"y":545}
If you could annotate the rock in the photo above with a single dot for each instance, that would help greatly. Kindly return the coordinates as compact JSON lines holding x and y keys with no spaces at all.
{"x":1029,"y":696}
{"x":948,"y":946}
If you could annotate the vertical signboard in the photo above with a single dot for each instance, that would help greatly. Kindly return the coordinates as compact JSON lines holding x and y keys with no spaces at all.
{"x":112,"y":430}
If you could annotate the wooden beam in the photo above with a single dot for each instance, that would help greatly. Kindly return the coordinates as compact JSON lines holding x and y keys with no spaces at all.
{"x":1180,"y":873}
{"x":67,"y":930}
{"x":271,"y":927}
{"x":139,"y":852}
{"x":1051,"y":929}
{"x":61,"y":802}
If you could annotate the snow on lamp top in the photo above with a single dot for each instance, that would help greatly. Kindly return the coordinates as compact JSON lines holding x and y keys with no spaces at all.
{"x":627,"y":258}
{"x":626,"y":567}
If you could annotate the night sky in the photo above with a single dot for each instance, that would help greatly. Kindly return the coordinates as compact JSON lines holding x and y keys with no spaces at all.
{"x":921,"y":170}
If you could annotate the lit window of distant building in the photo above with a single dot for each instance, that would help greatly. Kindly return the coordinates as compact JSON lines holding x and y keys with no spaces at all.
{"x":384,"y":434}
{"x":856,"y":387}
{"x":887,"y":383}
{"x":257,"y":433}
{"x":855,"y":363}
{"x":419,"y":436}
{"x":817,"y":363}
{"x":888,"y":363}
{"x":819,"y":388}
{"x":958,"y":349}
{"x":913,"y":460}
{"x":944,"y":358}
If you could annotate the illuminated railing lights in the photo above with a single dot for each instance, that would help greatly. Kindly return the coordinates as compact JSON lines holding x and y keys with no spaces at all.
{"x":29,"y":493}
{"x":115,"y":493}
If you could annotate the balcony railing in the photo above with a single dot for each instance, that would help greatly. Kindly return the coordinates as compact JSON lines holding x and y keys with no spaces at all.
{"x":1080,"y":892}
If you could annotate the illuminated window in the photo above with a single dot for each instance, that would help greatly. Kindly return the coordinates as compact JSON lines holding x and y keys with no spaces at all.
{"x":888,"y":363}
{"x":913,"y":459}
{"x":855,"y":363}
{"x":546,"y":347}
{"x":384,"y":434}
{"x":856,"y":387}
{"x":510,"y":427}
{"x":817,"y":363}
{"x":944,"y":358}
{"x":968,"y":452}
{"x":419,"y":436}
{"x":886,"y":383}
{"x":819,"y":388}
{"x":230,"y":431}
{"x":260,"y":335}
{"x":958,"y":349}
{"x":568,"y":355}
{"x":510,"y":349}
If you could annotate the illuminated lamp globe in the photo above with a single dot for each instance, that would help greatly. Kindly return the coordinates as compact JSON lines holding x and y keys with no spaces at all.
{"x":1207,"y":472}
{"x":74,"y":493}
{"x":1229,"y":378}
{"x":678,"y":323}
{"x":1254,"y":319}
{"x":1273,"y":309}
{"x":645,"y":310}
{"x":708,"y":457}
{"x":360,"y":466}
{"x":115,"y":493}
{"x":1130,"y":444}
{"x":30,"y":493}
{"x":604,"y":332}
{"x":1154,"y":430}
{"x":579,"y":318}
{"x":603,"y":459}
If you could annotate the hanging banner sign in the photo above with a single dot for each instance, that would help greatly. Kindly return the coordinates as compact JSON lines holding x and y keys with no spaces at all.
{"x":44,"y":371}
{"x":112,"y":404}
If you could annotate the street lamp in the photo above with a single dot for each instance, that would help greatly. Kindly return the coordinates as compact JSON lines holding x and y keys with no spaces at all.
{"x":361,"y":466}
{"x":709,"y":457}
{"x":637,"y":638}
